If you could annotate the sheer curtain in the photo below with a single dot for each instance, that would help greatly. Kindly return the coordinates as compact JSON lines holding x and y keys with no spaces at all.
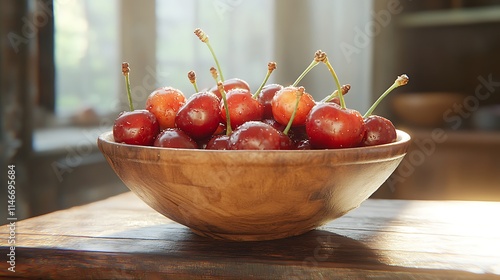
{"x":343,"y":29}
{"x":156,"y":37}
{"x":246,"y":35}
{"x":239,"y":31}
{"x":87,"y":55}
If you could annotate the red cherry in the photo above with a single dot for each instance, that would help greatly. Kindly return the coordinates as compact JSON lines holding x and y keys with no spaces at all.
{"x":218,"y":142}
{"x":242,"y":107}
{"x":379,"y":130}
{"x":291,"y":140}
{"x":284,"y":103}
{"x":329,"y":127}
{"x":200,"y":116}
{"x":265,"y":98}
{"x":135,"y":127}
{"x":286,"y":143}
{"x":138,"y":127}
{"x":255,"y":135}
{"x":229,"y":85}
{"x":175,"y":138}
{"x":221,"y":129}
{"x":164,"y":103}
{"x":275,"y":124}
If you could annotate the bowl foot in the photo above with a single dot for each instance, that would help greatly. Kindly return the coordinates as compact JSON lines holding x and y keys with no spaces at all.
{"x":248,"y":237}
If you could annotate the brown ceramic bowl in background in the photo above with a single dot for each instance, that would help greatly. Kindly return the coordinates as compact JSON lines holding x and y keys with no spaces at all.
{"x":253,"y":195}
{"x":424,"y":109}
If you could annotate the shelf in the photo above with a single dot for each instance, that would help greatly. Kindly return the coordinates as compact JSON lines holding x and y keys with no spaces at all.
{"x":459,"y":16}
{"x":63,"y":140}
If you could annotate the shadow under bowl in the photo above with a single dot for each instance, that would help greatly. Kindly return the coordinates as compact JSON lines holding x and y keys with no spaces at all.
{"x":253,"y":195}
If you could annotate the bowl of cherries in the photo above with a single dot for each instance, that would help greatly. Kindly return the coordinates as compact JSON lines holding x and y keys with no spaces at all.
{"x":236,"y":165}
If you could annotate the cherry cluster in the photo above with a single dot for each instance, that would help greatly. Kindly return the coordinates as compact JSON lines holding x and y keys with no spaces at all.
{"x":229,"y":116}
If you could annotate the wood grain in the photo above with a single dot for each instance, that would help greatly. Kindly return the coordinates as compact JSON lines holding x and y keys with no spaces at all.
{"x":123,"y":238}
{"x":253,"y":195}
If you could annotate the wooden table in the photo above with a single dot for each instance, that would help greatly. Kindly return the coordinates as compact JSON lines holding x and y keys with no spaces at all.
{"x":121,"y":238}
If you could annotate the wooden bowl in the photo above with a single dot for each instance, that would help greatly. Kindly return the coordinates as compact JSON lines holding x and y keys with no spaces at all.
{"x":253,"y":195}
{"x":424,"y":109}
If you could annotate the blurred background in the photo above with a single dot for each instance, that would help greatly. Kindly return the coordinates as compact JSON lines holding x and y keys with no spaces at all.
{"x":61,"y":83}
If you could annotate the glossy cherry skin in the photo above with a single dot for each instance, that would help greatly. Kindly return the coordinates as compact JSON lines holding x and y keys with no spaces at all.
{"x":200,"y":116}
{"x":164,"y":103}
{"x":331,"y":127}
{"x":255,"y":135}
{"x":265,"y":98}
{"x":286,"y":143}
{"x":221,"y":129}
{"x":175,"y":138}
{"x":218,"y":142}
{"x":283,"y":105}
{"x":272,"y":122}
{"x":335,"y":100}
{"x":379,"y":130}
{"x":303,"y":145}
{"x":139,"y":127}
{"x":295,"y":134}
{"x":230,"y":84}
{"x":242,"y":107}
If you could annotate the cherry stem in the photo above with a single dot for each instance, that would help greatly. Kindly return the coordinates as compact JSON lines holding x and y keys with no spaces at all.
{"x":204,"y":38}
{"x":318,"y":57}
{"x":192,"y":79}
{"x":337,"y":82}
{"x":309,"y":68}
{"x":271,"y":66}
{"x":220,"y":86}
{"x":345,"y":89}
{"x":400,"y":81}
{"x":299,"y":93}
{"x":125,"y":72}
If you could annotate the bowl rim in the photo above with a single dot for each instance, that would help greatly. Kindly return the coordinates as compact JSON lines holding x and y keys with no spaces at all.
{"x":402,"y":141}
{"x":137,"y":164}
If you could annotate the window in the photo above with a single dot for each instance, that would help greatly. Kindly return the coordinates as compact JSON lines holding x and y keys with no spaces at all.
{"x":93,"y":37}
{"x":86,"y":55}
{"x":240,"y":32}
{"x":87,"y":52}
